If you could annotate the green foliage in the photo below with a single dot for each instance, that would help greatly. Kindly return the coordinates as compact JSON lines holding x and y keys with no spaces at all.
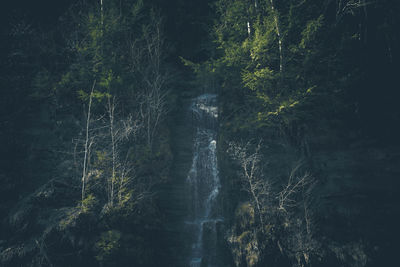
{"x":323,"y":46}
{"x":309,"y":34}
{"x":89,"y":203}
{"x":109,"y":51}
{"x":108,"y":246}
{"x":248,"y":65}
{"x":260,"y":79}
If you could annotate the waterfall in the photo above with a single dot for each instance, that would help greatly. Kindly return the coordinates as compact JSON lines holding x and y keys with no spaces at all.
{"x":203,"y":183}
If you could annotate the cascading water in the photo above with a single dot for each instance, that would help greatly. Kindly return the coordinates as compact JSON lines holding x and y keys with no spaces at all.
{"x":203,"y":183}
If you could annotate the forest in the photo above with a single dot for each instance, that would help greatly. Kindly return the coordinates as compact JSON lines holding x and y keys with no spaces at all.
{"x":199,"y":133}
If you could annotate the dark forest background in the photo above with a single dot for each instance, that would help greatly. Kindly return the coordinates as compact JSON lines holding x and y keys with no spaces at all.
{"x":91,"y":120}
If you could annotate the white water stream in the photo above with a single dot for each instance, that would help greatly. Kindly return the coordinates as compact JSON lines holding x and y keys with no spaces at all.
{"x":203,"y":183}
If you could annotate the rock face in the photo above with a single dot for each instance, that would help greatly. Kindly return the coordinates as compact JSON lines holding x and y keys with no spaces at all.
{"x":358,"y":194}
{"x":354,"y":203}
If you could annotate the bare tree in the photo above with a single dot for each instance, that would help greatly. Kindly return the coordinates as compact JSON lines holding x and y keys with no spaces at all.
{"x":126,"y":177}
{"x":294,"y":203}
{"x":146,"y":55}
{"x":154,"y":96}
{"x":88,"y":144}
{"x":351,"y":7}
{"x":43,"y":251}
{"x":294,"y":185}
{"x":258,"y":187}
{"x":152,"y":109}
{"x":111,"y":112}
{"x":120,"y":131}
{"x":290,"y":211}
{"x":127,"y":129}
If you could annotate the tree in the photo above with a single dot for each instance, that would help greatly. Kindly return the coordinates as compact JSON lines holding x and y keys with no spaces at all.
{"x":121,"y":131}
{"x":153,"y":97}
{"x":120,"y":45}
{"x":251,"y":172}
{"x":88,"y":143}
{"x":113,"y":133}
{"x":285,"y":207}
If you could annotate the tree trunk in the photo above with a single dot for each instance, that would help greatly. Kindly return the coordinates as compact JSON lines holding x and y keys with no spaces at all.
{"x":87,"y":145}
{"x":278,"y":33}
{"x":111,"y":108}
